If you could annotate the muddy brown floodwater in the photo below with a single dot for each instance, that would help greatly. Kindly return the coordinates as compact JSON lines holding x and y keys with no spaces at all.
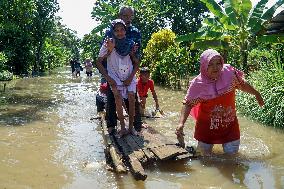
{"x":48,"y":141}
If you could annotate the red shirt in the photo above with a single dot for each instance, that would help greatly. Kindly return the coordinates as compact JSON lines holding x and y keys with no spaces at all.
{"x":217,"y":122}
{"x":143,"y":88}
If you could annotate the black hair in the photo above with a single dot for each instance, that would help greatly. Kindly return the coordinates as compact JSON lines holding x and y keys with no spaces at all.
{"x":144,"y":70}
{"x":116,"y":22}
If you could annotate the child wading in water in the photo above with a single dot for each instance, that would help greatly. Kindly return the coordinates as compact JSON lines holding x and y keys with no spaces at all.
{"x":210,"y":99}
{"x":120,"y":54}
{"x":143,"y":85}
{"x":89,"y":67}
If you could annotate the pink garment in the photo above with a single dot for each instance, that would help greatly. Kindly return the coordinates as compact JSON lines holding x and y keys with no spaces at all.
{"x":204,"y":88}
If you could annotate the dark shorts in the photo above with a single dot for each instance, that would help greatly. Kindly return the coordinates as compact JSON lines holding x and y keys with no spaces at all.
{"x":89,"y":73}
{"x":100,"y":103}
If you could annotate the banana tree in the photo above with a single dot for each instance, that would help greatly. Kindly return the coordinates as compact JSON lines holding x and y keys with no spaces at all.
{"x":236,"y":24}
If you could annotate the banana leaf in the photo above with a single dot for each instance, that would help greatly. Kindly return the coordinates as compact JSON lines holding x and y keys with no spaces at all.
{"x":209,"y":44}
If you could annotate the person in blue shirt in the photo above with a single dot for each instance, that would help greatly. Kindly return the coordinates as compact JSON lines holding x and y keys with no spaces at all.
{"x":126,"y":13}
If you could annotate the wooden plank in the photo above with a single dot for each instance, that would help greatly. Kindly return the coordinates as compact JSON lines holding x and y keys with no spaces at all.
{"x":131,"y":159}
{"x":183,"y":156}
{"x":150,"y":139}
{"x":124,"y":147}
{"x":160,"y":146}
{"x":158,"y":136}
{"x":116,"y":158}
{"x":144,"y":146}
{"x":150,"y":156}
{"x":136,"y":168}
{"x":136,"y":149}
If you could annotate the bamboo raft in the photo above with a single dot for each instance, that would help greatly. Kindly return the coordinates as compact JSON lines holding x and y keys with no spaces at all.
{"x":131,"y":153}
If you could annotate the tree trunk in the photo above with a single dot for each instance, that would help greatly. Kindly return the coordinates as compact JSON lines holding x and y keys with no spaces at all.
{"x":245,"y":61}
{"x":37,"y":66}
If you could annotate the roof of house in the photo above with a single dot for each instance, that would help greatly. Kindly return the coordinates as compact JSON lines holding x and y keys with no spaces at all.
{"x":276,"y":25}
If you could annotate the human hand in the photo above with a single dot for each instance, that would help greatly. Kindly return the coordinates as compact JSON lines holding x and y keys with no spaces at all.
{"x":134,"y":49}
{"x":111,"y":82}
{"x":180,"y":135}
{"x":127,"y":81}
{"x":109,"y":44}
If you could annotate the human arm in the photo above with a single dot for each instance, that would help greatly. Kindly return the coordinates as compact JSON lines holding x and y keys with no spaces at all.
{"x":246,"y":87}
{"x":102,"y":70}
{"x":183,"y":117}
{"x":155,"y":97}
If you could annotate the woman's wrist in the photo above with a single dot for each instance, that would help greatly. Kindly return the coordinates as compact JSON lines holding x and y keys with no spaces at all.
{"x":180,"y":126}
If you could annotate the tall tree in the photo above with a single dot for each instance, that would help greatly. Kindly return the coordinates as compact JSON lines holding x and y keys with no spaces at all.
{"x":91,"y":45}
{"x":182,"y":16}
{"x":15,"y":33}
{"x":43,"y":22}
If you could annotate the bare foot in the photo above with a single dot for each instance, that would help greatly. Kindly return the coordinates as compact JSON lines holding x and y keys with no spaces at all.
{"x":144,"y":125}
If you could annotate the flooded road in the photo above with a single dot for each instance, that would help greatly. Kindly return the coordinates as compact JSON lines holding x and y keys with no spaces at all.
{"x":48,"y":141}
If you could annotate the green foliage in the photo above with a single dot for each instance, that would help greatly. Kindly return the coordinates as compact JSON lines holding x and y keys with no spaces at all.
{"x":3,"y":60}
{"x":5,"y":75}
{"x":91,"y":45}
{"x":269,"y":82}
{"x":154,"y":54}
{"x":60,"y":47}
{"x":104,"y":12}
{"x":237,"y":27}
{"x":152,"y":15}
{"x":160,"y":41}
{"x":166,"y":60}
{"x":32,"y":38}
{"x":42,"y":26}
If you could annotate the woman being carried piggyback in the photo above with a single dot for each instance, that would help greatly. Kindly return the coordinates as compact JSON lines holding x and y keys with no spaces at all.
{"x":119,"y":53}
{"x":210,"y":100}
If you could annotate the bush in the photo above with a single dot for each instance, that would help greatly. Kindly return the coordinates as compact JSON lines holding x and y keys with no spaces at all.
{"x":270,"y":83}
{"x":167,"y":61}
{"x":6,"y":75}
{"x":3,"y":61}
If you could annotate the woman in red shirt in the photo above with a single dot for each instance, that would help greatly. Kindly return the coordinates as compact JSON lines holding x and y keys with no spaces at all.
{"x":210,"y":99}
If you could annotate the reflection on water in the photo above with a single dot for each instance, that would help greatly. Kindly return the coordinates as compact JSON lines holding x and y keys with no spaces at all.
{"x":48,"y":141}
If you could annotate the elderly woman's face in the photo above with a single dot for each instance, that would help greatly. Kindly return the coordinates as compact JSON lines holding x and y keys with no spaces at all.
{"x":214,"y":68}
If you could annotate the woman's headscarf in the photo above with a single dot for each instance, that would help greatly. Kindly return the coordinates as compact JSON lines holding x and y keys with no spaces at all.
{"x":203,"y":87}
{"x":122,"y":46}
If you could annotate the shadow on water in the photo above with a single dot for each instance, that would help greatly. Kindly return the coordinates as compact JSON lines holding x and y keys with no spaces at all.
{"x":26,"y":109}
{"x":22,"y":105}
